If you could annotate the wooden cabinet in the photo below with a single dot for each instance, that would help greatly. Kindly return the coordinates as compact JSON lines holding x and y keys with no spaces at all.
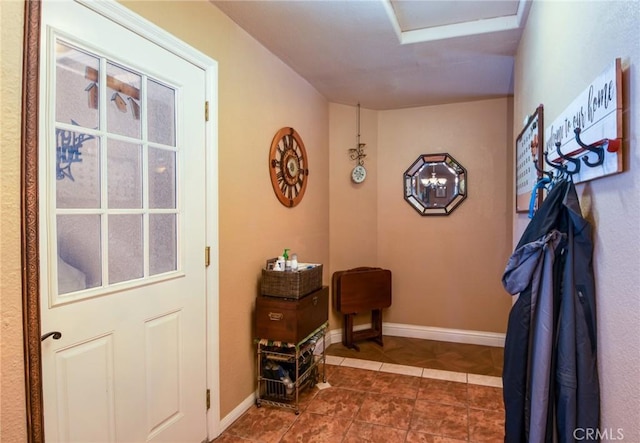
{"x":289,"y":332}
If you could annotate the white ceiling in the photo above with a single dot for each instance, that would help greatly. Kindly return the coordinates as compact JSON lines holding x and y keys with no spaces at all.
{"x":391,"y":54}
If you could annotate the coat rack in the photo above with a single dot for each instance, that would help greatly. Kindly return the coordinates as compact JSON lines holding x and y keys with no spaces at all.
{"x":566,"y":166}
{"x":599,"y":148}
{"x":585,"y":140}
{"x":569,"y":154}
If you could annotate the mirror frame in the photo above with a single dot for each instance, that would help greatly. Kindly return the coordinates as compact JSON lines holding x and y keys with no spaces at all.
{"x":412,"y":174}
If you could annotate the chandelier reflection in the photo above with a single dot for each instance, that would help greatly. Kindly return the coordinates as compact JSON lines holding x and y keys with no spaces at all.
{"x":437,"y":184}
{"x":434,"y":181}
{"x":68,"y":145}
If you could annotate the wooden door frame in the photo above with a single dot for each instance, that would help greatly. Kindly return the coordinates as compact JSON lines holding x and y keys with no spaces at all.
{"x":30,"y":253}
{"x":29,"y":225}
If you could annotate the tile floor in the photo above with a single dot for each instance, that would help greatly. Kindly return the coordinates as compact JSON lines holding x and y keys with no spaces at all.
{"x":455,"y":357}
{"x":390,"y":401}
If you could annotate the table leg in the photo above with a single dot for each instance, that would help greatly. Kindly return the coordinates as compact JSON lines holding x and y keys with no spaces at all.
{"x":376,"y":325}
{"x":347,"y":333}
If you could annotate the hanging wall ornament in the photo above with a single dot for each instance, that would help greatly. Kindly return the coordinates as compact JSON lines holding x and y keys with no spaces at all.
{"x":358,"y":173}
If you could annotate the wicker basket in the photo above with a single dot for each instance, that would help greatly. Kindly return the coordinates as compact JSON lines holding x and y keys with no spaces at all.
{"x":294,"y":284}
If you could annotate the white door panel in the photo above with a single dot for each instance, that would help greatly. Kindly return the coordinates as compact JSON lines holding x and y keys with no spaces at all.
{"x":122,"y":234}
{"x":71,"y":370}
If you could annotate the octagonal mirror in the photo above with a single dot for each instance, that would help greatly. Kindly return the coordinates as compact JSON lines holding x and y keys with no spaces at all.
{"x":435,"y":184}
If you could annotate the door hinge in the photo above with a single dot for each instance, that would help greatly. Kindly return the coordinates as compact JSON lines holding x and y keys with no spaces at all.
{"x":208,"y":399}
{"x":207,"y":256}
{"x":206,"y":111}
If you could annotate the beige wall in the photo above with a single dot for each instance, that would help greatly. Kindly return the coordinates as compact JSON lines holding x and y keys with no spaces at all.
{"x":354,"y":207}
{"x":447,"y":270}
{"x":565,"y":46}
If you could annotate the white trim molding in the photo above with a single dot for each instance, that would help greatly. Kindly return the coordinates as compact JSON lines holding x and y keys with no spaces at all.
{"x":457,"y":30}
{"x":484,"y":338}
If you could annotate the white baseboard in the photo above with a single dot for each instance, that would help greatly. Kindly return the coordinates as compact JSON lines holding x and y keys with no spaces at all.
{"x":430,"y":333}
{"x":237,"y":412}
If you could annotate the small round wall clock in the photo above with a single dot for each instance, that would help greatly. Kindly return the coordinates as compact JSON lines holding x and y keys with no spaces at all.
{"x":288,"y":166}
{"x":358,"y":174}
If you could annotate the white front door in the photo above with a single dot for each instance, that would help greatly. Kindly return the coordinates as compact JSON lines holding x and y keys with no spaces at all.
{"x":123,"y":233}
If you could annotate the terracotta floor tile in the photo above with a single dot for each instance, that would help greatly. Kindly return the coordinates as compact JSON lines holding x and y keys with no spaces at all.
{"x":337,"y":402}
{"x":360,"y":432}
{"x":379,"y":406}
{"x":485,"y":397}
{"x":443,"y":391}
{"x":440,"y":419}
{"x":466,"y":358}
{"x":265,"y":424}
{"x":386,"y":410}
{"x":486,"y":426}
{"x":316,"y":428}
{"x":397,"y":385}
{"x":328,"y":371}
{"x":352,"y":378}
{"x":306,"y":396}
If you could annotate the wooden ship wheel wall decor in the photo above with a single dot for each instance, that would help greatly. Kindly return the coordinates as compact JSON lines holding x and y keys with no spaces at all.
{"x":288,"y":166}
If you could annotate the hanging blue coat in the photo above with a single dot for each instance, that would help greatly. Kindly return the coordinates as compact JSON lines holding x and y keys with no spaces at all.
{"x":550,"y":377}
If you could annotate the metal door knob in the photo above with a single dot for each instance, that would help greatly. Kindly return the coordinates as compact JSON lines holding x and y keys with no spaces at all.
{"x":55,"y":334}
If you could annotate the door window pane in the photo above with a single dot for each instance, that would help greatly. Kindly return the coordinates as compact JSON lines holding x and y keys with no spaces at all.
{"x":123,"y":94}
{"x":162,"y":179}
{"x":124,"y":175}
{"x":77,"y":84}
{"x":77,"y":170}
{"x":116,"y":204}
{"x":162,"y":243}
{"x":79,"y":252}
{"x":126,"y":261}
{"x":161,"y":99}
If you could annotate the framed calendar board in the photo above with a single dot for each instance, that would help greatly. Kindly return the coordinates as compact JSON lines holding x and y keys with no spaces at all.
{"x":528,"y":160}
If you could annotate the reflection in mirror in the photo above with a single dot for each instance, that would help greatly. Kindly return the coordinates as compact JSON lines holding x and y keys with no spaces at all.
{"x":435,"y":184}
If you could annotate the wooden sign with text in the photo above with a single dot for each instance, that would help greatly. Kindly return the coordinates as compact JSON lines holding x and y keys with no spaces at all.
{"x":597,"y":112}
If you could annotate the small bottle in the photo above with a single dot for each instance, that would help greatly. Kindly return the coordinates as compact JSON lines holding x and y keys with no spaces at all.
{"x":279,"y":266}
{"x":287,"y":261}
{"x":294,"y":262}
